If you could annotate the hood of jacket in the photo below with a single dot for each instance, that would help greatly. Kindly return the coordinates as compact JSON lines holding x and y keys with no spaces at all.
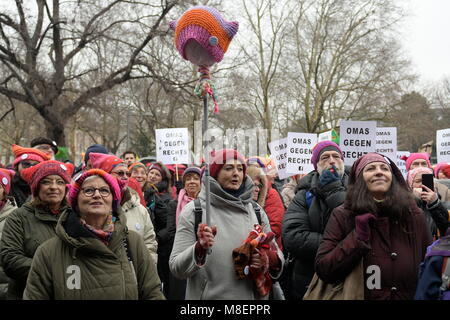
{"x":219,"y":197}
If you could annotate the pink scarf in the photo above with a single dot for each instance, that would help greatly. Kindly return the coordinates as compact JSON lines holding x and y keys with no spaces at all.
{"x":183,"y":199}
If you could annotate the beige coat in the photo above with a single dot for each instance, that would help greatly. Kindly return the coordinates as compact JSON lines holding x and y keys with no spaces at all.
{"x":138,"y":219}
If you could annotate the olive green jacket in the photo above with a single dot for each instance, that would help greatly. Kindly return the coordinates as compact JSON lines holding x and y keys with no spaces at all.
{"x":76,"y":265}
{"x":25,"y":229}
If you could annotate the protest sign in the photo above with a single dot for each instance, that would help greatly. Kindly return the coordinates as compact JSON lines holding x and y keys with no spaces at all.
{"x":299,"y":152}
{"x":386,"y":142}
{"x":172,"y":145}
{"x":443,"y":145}
{"x":357,"y":138}
{"x":278,"y":153}
{"x":401,"y":164}
{"x":329,"y":136}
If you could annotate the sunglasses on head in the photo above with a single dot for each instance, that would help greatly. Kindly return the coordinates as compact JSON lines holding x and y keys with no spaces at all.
{"x":26,"y":164}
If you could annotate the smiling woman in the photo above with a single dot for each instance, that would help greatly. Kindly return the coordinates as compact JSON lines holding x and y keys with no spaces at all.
{"x":380,"y":224}
{"x":93,"y":256}
{"x":33,"y":223}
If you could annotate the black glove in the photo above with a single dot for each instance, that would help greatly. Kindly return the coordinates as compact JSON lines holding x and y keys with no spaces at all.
{"x":329,"y":176}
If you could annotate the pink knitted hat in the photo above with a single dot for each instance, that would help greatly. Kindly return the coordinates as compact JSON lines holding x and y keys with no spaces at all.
{"x":414,"y":172}
{"x":439,"y":166}
{"x":106,"y":162}
{"x":414,"y":156}
{"x":75,"y":188}
{"x":5,"y":179}
{"x":35,"y":174}
{"x":21,"y":154}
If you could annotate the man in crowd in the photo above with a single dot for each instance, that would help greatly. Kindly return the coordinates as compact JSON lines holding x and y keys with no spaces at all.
{"x":318,"y":193}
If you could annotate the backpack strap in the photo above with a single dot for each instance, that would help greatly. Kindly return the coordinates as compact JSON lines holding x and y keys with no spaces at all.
{"x":257,"y":209}
{"x":198,"y":212}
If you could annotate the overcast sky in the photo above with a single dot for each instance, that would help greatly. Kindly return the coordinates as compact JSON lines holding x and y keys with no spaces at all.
{"x":425,"y":37}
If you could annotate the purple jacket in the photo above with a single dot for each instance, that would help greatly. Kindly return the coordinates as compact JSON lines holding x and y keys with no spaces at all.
{"x":395,"y":255}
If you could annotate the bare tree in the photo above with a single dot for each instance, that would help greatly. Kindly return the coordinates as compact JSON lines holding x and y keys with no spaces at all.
{"x":47,"y":59}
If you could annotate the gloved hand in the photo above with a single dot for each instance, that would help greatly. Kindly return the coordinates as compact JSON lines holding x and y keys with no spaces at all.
{"x":205,"y":236}
{"x":179,"y":185}
{"x":328,"y":176}
{"x":362,"y":226}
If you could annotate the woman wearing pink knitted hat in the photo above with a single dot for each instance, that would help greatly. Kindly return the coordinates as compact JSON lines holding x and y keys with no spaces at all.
{"x":379,"y":231}
{"x":138,"y":218}
{"x":24,"y":158}
{"x":34,"y":223}
{"x":210,"y":256}
{"x":7,"y":205}
{"x":93,"y":255}
{"x":416,"y":160}
{"x":436,"y":214}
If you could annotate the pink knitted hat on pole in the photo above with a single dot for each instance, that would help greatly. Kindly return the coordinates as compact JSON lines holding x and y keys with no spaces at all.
{"x":206,"y":26}
{"x":414,"y":156}
{"x":75,"y":188}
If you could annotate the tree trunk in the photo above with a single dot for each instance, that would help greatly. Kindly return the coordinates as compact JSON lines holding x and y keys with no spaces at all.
{"x":55,"y":131}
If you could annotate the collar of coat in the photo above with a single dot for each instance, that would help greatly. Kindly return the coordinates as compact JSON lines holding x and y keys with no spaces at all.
{"x":70,"y":230}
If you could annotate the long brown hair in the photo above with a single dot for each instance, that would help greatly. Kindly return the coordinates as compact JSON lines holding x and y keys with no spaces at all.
{"x":396,"y":205}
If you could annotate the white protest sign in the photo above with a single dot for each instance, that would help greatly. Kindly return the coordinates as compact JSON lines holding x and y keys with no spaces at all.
{"x":357,"y":139}
{"x":386,"y":142}
{"x":401,"y":164}
{"x":325,"y":136}
{"x":172,"y":145}
{"x":443,"y":145}
{"x":278,"y":150}
{"x":299,"y":152}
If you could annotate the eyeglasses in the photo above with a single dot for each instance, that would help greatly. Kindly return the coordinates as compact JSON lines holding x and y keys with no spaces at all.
{"x":122,"y":173}
{"x":89,"y":191}
{"x":26,"y":164}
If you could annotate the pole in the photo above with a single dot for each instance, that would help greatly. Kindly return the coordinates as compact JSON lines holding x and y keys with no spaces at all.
{"x":206,"y":156}
{"x":128,"y":128}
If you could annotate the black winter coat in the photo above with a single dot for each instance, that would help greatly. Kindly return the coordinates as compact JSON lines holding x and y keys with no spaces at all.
{"x":436,"y":217}
{"x":303,"y":226}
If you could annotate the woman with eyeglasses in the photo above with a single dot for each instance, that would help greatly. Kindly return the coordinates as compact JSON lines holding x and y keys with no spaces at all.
{"x":269,"y":199}
{"x":93,"y":256}
{"x":34,"y":223}
{"x":132,"y":203}
{"x":24,"y":158}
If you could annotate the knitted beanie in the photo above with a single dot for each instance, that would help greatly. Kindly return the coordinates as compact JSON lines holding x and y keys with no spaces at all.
{"x":439,"y":167}
{"x":206,"y":26}
{"x":218,"y":158}
{"x":35,"y":174}
{"x":363,"y":161}
{"x":414,"y":156}
{"x":41,"y":140}
{"x":446,"y":170}
{"x":413,"y":173}
{"x":5,"y":179}
{"x":191,"y":170}
{"x":75,"y":187}
{"x":137,"y":165}
{"x":320,"y":148}
{"x":106,"y":162}
{"x":21,"y":154}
